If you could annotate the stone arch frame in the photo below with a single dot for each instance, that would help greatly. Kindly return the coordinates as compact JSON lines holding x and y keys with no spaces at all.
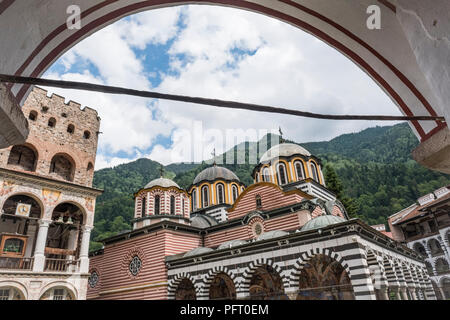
{"x":29,"y":145}
{"x":399,"y":272}
{"x":441,"y":282}
{"x":212,"y":273}
{"x":84,"y":212}
{"x":406,"y":268}
{"x":71,"y":159}
{"x":390,"y":271}
{"x":429,"y":241}
{"x":249,"y":271}
{"x":66,"y":285}
{"x":419,"y":243}
{"x":435,"y":260}
{"x":29,"y":193}
{"x":305,"y":257}
{"x":16,"y":285}
{"x":173,"y":284}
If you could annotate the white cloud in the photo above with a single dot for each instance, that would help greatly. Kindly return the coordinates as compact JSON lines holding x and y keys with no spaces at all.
{"x":209,"y":58}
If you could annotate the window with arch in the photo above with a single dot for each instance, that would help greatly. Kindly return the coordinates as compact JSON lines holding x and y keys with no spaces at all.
{"x":205,"y":196}
{"x":183,"y":206}
{"x":63,"y":167}
{"x":282,"y":177}
{"x":315,"y":173}
{"x":33,"y":115}
{"x":52,"y":122}
{"x":299,"y":170}
{"x":220,"y":193}
{"x":144,"y":206}
{"x":86,"y":134}
{"x":90,"y":166}
{"x":23,"y":158}
{"x":258,"y":201}
{"x":157,"y":205}
{"x":234,"y":191}
{"x":70,"y":128}
{"x":172,"y":205}
{"x":266,"y":175}
{"x":194,"y":200}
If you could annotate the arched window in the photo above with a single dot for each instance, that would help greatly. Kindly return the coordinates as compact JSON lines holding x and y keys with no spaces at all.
{"x":299,"y":170}
{"x":315,"y":173}
{"x":144,"y":206}
{"x":86,"y":134}
{"x":266,"y":175}
{"x":281,"y":169}
{"x":157,"y":205}
{"x":205,"y":196}
{"x":52,"y":122}
{"x":183,"y":206}
{"x":33,"y":115}
{"x":22,"y":158}
{"x":220,"y":194}
{"x":172,"y":205}
{"x":62,"y":166}
{"x":194,"y":200}
{"x":258,"y":201}
{"x":235,"y":192}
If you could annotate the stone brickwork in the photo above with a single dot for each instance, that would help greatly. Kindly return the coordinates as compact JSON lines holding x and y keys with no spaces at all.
{"x":62,"y":136}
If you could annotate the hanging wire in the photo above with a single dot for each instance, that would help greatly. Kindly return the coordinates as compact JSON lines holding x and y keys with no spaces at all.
{"x":203,"y":101}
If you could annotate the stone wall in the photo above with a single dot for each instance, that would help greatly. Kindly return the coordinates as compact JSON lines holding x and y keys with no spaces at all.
{"x":63,"y":137}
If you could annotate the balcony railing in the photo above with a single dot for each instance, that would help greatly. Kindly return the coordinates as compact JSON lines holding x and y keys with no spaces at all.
{"x":60,"y":265}
{"x":16,"y":263}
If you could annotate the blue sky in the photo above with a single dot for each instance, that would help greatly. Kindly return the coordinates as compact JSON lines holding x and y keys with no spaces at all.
{"x":212,"y":52}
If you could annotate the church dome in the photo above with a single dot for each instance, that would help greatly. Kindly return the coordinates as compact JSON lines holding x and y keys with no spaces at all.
{"x":284,"y":150}
{"x":322,"y":222}
{"x":215,"y":172}
{"x":203,"y":221}
{"x":197,"y":251}
{"x":272,"y":234}
{"x":162,"y":182}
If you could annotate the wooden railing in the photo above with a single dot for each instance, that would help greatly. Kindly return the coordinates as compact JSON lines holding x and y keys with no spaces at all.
{"x":59,"y":265}
{"x":16,"y":263}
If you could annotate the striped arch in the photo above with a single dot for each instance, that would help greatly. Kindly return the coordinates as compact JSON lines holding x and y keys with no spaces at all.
{"x":429,"y":291}
{"x":389,"y":269}
{"x":415,"y":277}
{"x":204,"y":292}
{"x":399,"y":272}
{"x":376,"y":267}
{"x":408,"y":276}
{"x":173,"y":285}
{"x":305,"y":257}
{"x":248,"y":273}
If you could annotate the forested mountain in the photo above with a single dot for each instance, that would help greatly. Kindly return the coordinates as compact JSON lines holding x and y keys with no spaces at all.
{"x":373,"y":168}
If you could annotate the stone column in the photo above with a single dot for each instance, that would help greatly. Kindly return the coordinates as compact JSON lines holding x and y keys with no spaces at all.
{"x":412,"y":292}
{"x":403,"y":293}
{"x":39,"y":249}
{"x":84,"y":249}
{"x":384,"y":295}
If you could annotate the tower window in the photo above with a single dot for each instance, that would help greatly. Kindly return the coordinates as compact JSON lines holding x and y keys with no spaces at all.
{"x":220,"y":195}
{"x":33,"y":115}
{"x":235,"y":192}
{"x":282,"y":174}
{"x":52,"y":122}
{"x":157,"y":205}
{"x":266,"y":175}
{"x":144,"y":206}
{"x":315,"y":174}
{"x":70,"y":128}
{"x":194,"y":200}
{"x":299,"y":169}
{"x":205,"y":196}
{"x":172,"y":205}
{"x":86,"y":134}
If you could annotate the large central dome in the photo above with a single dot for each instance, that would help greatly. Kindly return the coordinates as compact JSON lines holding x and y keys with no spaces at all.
{"x":284,"y":150}
{"x":215,"y":172}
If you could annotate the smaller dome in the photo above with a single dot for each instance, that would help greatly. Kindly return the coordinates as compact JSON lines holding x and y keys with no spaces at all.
{"x":197,"y":251}
{"x":203,"y":221}
{"x":322,"y":222}
{"x":283,"y":150}
{"x":230,"y":244}
{"x":162,"y":182}
{"x":215,"y":172}
{"x":271,"y":235}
